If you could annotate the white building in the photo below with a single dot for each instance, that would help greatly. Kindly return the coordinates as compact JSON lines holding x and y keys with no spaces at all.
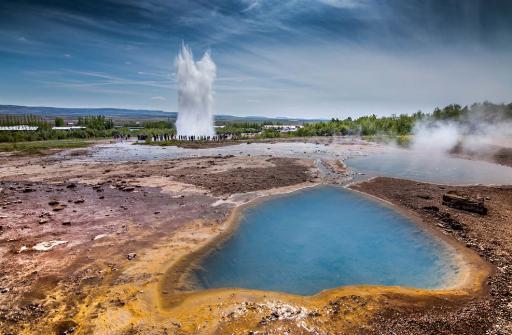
{"x":282,"y":128}
{"x":19,"y":128}
{"x":68,"y":128}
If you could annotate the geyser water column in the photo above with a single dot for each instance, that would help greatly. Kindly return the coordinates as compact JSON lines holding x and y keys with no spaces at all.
{"x":195,"y":94}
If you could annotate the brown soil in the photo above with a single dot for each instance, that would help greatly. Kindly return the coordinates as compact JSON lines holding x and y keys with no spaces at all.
{"x":490,"y":236}
{"x":108,"y":218}
{"x":122,"y":227}
{"x":283,"y":172}
{"x":100,"y":224}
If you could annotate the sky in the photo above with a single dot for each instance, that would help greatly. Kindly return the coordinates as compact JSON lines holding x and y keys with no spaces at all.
{"x":292,"y":58}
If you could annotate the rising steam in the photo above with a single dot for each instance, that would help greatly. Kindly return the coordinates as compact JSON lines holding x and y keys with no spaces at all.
{"x":482,"y":131}
{"x":195,"y":94}
{"x":440,"y":136}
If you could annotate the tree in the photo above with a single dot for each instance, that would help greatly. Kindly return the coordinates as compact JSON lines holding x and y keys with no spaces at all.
{"x":59,"y":122}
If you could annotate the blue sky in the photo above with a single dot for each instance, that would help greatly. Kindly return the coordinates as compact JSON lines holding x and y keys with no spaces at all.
{"x":295,"y":58}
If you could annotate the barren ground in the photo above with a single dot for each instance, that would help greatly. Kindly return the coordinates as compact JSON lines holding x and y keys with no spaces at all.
{"x":87,"y":248}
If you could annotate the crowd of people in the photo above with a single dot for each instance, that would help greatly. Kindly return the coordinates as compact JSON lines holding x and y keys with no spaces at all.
{"x":121,"y":137}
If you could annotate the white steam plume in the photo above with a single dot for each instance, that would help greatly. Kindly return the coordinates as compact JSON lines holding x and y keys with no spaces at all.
{"x":195,"y":94}
{"x":436,"y":137}
{"x":480,"y":131}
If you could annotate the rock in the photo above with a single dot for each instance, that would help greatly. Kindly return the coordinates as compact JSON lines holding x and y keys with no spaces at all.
{"x":28,"y":190}
{"x":72,"y":185}
{"x":102,"y":197}
{"x":128,"y":189}
{"x":79,"y":201}
{"x":45,"y":246}
{"x":66,"y":223}
{"x":53,"y":203}
{"x":131,"y":256}
{"x":45,"y":213}
{"x":43,"y":221}
{"x":59,"y":207}
{"x":465,"y":203}
{"x":424,"y":196}
{"x":4,"y":290}
{"x":431,"y":208}
{"x":66,"y":327}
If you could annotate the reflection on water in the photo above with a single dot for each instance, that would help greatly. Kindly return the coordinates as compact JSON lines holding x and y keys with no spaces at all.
{"x":323,"y":238}
{"x":431,"y":168}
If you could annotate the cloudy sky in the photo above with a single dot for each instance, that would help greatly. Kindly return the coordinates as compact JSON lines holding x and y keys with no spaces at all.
{"x":295,"y":58}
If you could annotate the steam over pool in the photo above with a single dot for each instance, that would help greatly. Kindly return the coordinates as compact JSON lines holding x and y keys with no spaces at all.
{"x":195,"y":94}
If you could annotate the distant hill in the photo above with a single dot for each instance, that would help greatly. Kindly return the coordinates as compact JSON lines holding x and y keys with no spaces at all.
{"x":128,"y":114}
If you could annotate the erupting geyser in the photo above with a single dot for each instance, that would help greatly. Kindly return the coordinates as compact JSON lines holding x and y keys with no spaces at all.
{"x":195,"y":94}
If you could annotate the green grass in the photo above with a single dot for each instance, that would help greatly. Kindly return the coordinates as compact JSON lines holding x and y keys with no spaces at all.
{"x":41,"y":147}
{"x":400,"y":140}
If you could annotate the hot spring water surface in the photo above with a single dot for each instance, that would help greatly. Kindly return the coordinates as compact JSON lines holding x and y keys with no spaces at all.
{"x":431,"y":168}
{"x":322,"y":238}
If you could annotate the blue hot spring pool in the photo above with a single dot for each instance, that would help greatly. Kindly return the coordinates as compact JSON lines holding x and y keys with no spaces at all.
{"x":325,"y":237}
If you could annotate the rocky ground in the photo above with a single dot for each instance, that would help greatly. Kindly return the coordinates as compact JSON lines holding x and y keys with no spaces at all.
{"x":68,"y":229}
{"x":87,"y":246}
{"x":489,"y":235}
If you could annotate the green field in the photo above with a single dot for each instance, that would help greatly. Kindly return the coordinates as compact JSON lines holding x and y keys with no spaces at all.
{"x":42,"y":147}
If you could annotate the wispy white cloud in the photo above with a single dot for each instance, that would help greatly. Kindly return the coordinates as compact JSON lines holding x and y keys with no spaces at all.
{"x":301,"y":57}
{"x":252,"y":4}
{"x":344,"y":3}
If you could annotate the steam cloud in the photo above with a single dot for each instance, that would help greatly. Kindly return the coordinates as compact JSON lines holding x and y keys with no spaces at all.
{"x":438,"y":136}
{"x":195,"y":94}
{"x":481,"y":132}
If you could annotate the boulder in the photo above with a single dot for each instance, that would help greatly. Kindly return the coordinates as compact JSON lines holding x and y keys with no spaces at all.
{"x":464,"y":202}
{"x":131,"y":256}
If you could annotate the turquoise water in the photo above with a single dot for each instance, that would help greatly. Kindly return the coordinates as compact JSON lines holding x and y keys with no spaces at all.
{"x":322,"y":238}
{"x":431,"y":168}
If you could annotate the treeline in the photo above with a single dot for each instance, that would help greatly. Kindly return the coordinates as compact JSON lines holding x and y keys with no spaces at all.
{"x":96,"y":127}
{"x":478,"y":112}
{"x":404,"y":124}
{"x":96,"y":122}
{"x":238,"y":128}
{"x":159,"y":125}
{"x":43,"y":134}
{"x":364,"y":126}
{"x":7,"y":120}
